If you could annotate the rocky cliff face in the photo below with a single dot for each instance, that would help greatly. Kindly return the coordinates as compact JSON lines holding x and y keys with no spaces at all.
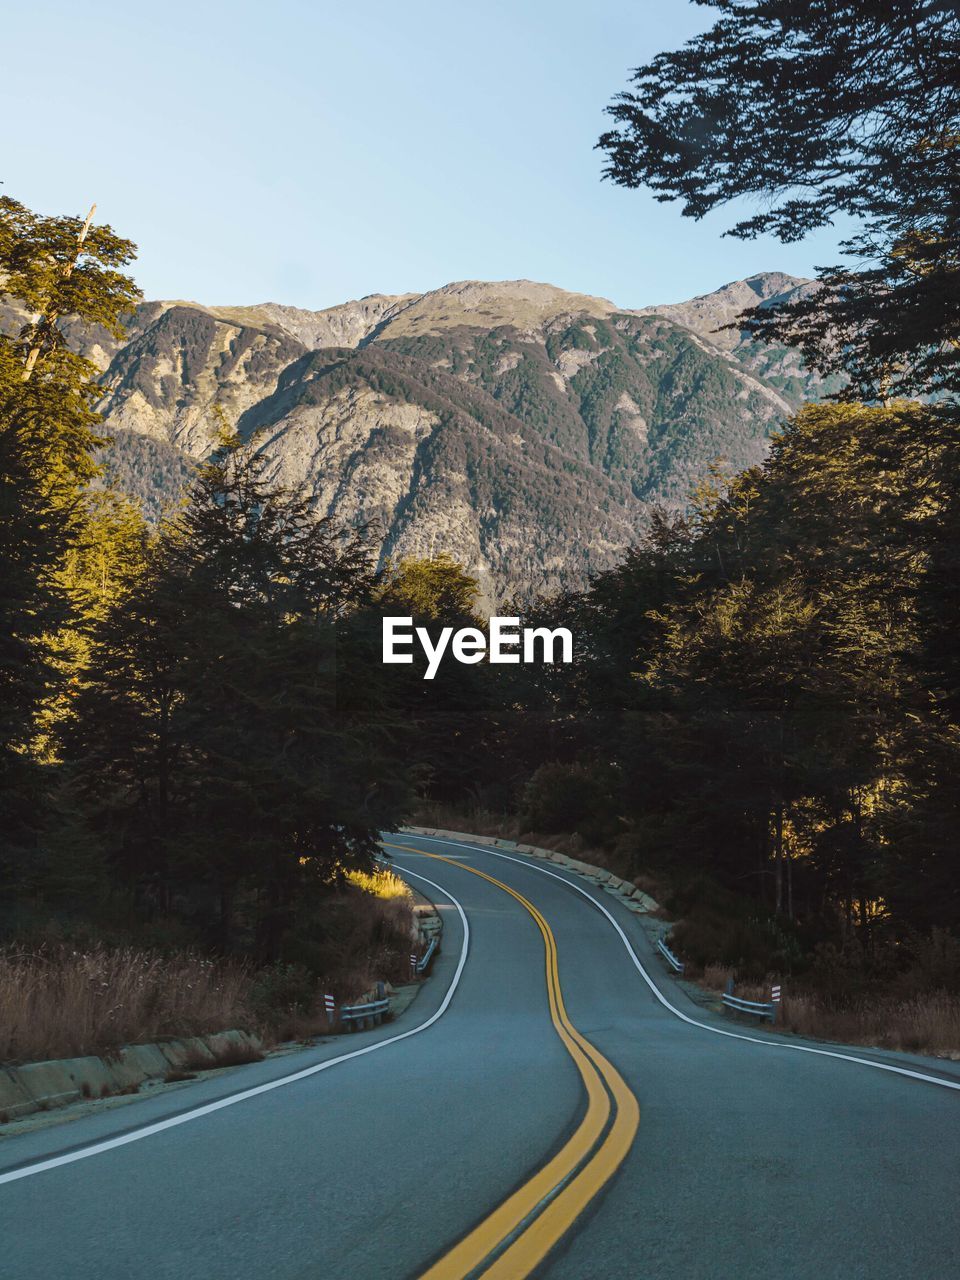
{"x":521,"y":428}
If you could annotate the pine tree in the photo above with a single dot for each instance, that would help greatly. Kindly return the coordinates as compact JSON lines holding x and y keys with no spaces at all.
{"x":230,"y":747}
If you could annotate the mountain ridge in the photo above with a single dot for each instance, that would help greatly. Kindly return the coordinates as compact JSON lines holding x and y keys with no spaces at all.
{"x":527,"y":429}
{"x":703,"y":314}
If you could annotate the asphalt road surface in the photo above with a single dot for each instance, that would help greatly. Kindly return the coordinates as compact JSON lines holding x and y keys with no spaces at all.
{"x":551,"y":1105}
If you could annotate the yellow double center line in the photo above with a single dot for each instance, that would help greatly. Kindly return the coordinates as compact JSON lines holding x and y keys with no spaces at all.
{"x":527,"y":1225}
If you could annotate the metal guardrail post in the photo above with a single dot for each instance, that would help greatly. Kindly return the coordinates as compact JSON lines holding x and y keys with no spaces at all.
{"x":759,"y":1008}
{"x":675,"y":964}
{"x":424,"y":962}
{"x":364,"y":1015}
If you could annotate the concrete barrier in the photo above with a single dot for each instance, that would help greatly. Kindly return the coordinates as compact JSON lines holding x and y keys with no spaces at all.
{"x":127,"y":1070}
{"x":14,"y":1099}
{"x":38,"y":1086}
{"x":200,"y":1052}
{"x":178,"y":1053}
{"x":581,"y":868}
{"x":91,"y":1075}
{"x":50,"y":1084}
{"x":632,"y":897}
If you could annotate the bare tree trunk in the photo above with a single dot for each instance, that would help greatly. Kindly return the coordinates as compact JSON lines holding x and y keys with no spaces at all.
{"x":790,"y":887}
{"x":778,"y":853}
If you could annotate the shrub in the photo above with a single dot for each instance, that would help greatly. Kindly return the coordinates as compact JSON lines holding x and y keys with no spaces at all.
{"x":282,"y":990}
{"x":719,"y":928}
{"x":570,"y":798}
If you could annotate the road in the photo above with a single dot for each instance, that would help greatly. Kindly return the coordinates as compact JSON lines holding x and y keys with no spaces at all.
{"x":539,"y":1110}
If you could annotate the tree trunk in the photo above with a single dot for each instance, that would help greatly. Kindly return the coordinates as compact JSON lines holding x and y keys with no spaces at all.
{"x":778,"y":857}
{"x":790,"y":888}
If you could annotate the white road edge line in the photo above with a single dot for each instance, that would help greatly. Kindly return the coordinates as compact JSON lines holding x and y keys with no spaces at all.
{"x":717,"y":1031}
{"x":149,"y":1130}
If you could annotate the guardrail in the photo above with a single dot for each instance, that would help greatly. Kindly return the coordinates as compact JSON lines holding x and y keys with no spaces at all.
{"x":675,"y":964}
{"x":757,"y":1007}
{"x":358,"y":1016}
{"x":424,"y":962}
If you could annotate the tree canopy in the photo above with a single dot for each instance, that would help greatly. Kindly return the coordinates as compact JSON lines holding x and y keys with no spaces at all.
{"x":811,"y":111}
{"x":47,"y":442}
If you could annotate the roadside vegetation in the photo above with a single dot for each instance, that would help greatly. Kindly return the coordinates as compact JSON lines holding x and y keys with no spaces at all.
{"x":763,"y":717}
{"x":200,"y":746}
{"x":887,"y":991}
{"x":913,"y":1006}
{"x":63,"y":998}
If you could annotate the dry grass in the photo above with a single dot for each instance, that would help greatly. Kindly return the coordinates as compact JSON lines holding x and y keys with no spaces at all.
{"x":382,"y":883}
{"x":716,"y":976}
{"x":64,"y":1003}
{"x":923,"y":1024}
{"x":58,"y":1002}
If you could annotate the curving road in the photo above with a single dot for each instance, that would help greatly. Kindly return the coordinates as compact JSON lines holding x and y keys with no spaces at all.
{"x":544,"y":1108}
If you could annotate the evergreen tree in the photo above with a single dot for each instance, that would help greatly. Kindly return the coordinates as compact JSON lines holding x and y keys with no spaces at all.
{"x":445,"y":716}
{"x":51,"y":268}
{"x":232,"y":755}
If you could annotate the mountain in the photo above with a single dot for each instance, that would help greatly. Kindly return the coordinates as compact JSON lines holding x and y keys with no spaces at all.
{"x":524,"y":429}
{"x":710,"y":313}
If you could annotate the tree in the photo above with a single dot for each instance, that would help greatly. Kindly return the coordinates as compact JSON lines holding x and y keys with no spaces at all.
{"x":446,"y":717}
{"x":430,"y":588}
{"x":231,"y":750}
{"x":51,"y":268}
{"x":62,"y":267}
{"x":817,"y":110}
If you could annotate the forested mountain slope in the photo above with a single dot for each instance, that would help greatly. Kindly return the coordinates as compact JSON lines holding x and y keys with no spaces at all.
{"x":522,"y":428}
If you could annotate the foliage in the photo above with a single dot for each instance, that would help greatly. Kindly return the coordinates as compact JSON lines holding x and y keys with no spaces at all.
{"x":573,"y":797}
{"x":765,"y":683}
{"x":47,"y":439}
{"x":279,"y":990}
{"x":815,"y":111}
{"x":227,"y":760}
{"x":430,"y":589}
{"x":381,"y":883}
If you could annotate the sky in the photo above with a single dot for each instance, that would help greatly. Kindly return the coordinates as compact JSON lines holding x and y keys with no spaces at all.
{"x":313,"y":152}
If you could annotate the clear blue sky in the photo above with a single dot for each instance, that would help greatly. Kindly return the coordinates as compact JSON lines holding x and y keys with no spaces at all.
{"x":311,"y":152}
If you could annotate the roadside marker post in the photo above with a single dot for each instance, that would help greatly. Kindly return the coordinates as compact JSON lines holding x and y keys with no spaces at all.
{"x":330,"y":1006}
{"x":775,"y":1001}
{"x":413,"y":963}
